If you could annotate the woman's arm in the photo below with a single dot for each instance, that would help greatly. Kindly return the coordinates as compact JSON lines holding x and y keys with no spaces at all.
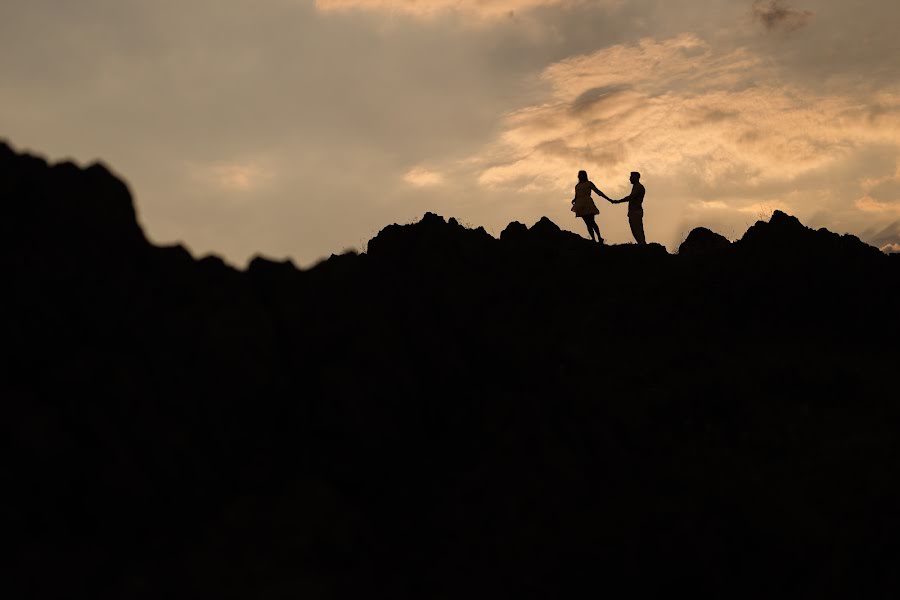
{"x":601,"y":194}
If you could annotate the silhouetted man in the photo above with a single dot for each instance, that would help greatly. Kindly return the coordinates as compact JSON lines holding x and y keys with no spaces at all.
{"x":635,"y":202}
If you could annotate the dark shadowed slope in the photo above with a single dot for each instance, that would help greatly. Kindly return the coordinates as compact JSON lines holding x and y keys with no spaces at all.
{"x":447,"y":416}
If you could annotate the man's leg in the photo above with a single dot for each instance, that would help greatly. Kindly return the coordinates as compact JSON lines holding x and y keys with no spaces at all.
{"x":636,"y":220}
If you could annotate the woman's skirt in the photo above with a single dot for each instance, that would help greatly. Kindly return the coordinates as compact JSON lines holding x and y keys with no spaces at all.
{"x":585,"y":207}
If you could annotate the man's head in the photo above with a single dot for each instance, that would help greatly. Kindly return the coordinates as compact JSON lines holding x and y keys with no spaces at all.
{"x":635,"y":177}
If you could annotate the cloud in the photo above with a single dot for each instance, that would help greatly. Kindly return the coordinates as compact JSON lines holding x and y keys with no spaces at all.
{"x":883,"y":235}
{"x":236,"y":176}
{"x":431,"y":8}
{"x":884,"y":189}
{"x":891,"y":248}
{"x":422,"y":177}
{"x":775,"y":15}
{"x":881,"y":194}
{"x":710,"y":205}
{"x":870,"y":205}
{"x":676,"y":107}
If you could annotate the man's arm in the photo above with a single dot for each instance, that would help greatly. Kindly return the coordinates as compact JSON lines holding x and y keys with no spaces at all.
{"x":625,"y":199}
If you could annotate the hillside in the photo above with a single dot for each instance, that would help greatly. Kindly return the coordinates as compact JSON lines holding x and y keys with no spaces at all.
{"x":449,"y":415}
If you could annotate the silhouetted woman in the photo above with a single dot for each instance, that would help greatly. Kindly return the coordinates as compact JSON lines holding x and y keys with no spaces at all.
{"x":583,"y":205}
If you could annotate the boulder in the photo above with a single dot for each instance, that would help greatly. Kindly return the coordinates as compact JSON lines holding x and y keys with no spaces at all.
{"x":702,"y":241}
{"x":545,"y":228}
{"x":515,"y":231}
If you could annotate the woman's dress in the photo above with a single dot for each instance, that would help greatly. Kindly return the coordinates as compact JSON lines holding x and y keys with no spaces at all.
{"x":584,"y":205}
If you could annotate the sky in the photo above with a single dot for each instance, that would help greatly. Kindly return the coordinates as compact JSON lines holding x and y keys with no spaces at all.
{"x":299,"y":128}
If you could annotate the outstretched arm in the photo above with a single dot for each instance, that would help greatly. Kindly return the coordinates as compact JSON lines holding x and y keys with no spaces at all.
{"x":625,"y":199}
{"x":599,"y":193}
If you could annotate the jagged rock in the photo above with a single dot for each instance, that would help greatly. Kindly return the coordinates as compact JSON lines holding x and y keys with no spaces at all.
{"x":581,"y":415}
{"x":701,"y":241}
{"x":83,"y":210}
{"x":433,"y":221}
{"x":780,"y":233}
{"x":545,"y":228}
{"x":783,"y":221}
{"x":785,"y":238}
{"x":514,"y":232}
{"x":430,"y":241}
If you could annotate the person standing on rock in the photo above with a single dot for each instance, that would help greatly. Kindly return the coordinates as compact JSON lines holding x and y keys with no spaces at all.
{"x":635,"y":202}
{"x":583,"y":205}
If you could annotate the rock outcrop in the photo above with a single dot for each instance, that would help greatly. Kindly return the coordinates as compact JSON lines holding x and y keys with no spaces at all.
{"x":447,"y":415}
{"x":701,"y":241}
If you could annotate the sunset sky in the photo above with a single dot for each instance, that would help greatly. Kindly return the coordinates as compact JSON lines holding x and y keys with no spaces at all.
{"x":299,"y":128}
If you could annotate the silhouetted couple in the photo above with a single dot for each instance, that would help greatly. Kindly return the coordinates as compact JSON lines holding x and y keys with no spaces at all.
{"x":583,"y":206}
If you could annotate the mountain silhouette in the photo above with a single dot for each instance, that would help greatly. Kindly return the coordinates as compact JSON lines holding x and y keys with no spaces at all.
{"x":448,"y":415}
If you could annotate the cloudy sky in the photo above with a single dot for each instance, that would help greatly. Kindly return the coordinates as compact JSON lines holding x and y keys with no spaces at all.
{"x":299,"y":128}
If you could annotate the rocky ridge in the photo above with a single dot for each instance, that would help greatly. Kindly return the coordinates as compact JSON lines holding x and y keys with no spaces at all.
{"x":448,"y":415}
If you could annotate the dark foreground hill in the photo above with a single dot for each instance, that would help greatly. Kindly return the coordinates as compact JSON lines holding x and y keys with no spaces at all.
{"x":447,"y":416}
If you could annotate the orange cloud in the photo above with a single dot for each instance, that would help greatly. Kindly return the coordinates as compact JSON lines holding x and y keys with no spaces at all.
{"x":679,"y":109}
{"x":236,"y":177}
{"x":422,"y":177}
{"x":869,"y":204}
{"x":881,"y":194}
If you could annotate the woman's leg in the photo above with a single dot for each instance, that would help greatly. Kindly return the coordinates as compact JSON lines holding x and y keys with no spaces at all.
{"x":592,"y":225}
{"x":589,"y":221}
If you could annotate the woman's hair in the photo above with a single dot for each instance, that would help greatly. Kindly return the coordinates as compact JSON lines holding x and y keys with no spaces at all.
{"x":582,"y":175}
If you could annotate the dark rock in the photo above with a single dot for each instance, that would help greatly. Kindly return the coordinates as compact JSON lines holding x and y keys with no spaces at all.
{"x":431,"y":241}
{"x":785,"y":222}
{"x":447,"y":415}
{"x":784,"y":238}
{"x":545,"y":228}
{"x":433,"y":221}
{"x":701,"y":241}
{"x":780,"y":232}
{"x":515,"y":231}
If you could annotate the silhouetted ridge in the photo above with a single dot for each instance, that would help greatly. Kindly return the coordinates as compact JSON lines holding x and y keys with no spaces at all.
{"x":544,"y":233}
{"x":784,"y":235}
{"x":62,"y":206}
{"x":515,"y":231}
{"x":701,"y":241}
{"x":448,"y":415}
{"x":545,"y":228}
{"x":432,"y":235}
